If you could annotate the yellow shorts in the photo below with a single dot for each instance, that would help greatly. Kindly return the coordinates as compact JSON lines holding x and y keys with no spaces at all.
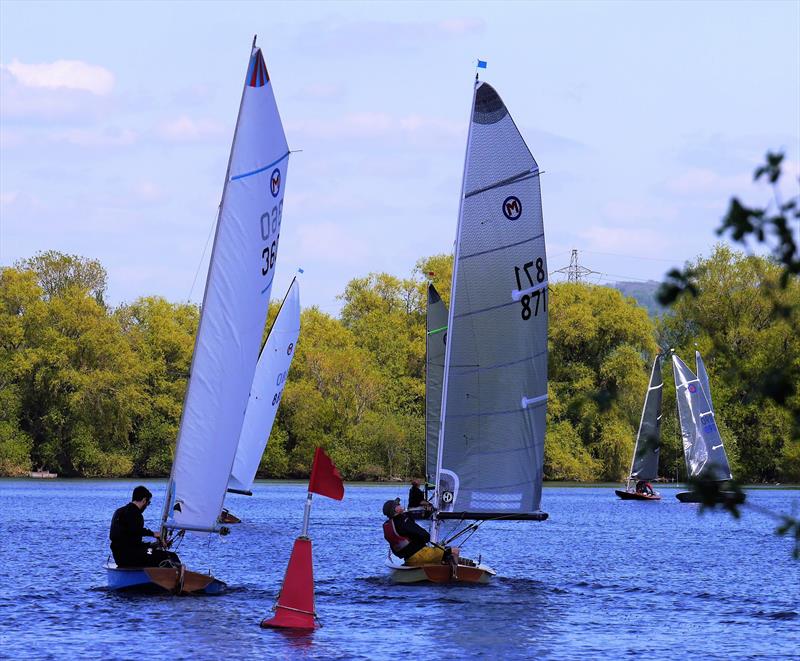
{"x":426,"y":556}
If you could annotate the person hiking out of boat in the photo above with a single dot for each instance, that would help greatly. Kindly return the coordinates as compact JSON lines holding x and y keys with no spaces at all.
{"x":409,"y":541}
{"x":644,"y":487}
{"x":127,"y":530}
{"x":418,"y":506}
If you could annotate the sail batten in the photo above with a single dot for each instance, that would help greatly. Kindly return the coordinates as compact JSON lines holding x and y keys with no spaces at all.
{"x":491,"y":443}
{"x":234,"y":309}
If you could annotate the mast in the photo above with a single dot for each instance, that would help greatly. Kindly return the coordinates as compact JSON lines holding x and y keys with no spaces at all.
{"x":170,"y":484}
{"x":435,"y":525}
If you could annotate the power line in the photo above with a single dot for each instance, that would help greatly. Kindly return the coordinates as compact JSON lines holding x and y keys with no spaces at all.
{"x":649,"y":259}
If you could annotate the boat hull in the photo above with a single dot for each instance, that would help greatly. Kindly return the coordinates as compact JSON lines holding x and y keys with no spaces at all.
{"x":632,"y":495}
{"x":722,"y":497}
{"x":162,"y":579}
{"x":439,"y":573}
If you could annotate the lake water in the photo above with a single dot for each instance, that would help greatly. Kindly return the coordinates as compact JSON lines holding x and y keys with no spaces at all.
{"x":602,"y":578}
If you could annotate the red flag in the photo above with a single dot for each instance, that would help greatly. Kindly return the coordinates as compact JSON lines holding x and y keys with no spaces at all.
{"x":325,"y":478}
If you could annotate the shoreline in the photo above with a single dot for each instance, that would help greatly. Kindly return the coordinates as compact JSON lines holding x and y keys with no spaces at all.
{"x":395,"y":483}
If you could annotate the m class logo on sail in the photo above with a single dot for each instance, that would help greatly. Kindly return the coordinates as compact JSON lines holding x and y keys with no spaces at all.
{"x":512,"y":207}
{"x":275,"y":182}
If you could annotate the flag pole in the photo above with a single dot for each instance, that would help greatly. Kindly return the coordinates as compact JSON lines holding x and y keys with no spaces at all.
{"x":306,"y":515}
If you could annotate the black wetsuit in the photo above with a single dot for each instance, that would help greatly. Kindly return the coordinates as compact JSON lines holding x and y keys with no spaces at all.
{"x":415,"y":497}
{"x":127,"y":530}
{"x":418,"y":537}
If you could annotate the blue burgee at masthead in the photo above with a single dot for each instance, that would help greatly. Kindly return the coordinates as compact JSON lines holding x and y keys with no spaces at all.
{"x":481,"y":64}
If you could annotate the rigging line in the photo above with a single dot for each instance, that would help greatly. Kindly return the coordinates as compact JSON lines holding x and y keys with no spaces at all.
{"x":203,"y":256}
{"x":650,"y":259}
{"x":630,"y":277}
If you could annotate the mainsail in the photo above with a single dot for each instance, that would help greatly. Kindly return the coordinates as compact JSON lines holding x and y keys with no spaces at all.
{"x":702,"y":446}
{"x":436,"y":340}
{"x":266,"y":391}
{"x":648,"y":441}
{"x":234,"y":308}
{"x":703,"y":376}
{"x":491,"y":437}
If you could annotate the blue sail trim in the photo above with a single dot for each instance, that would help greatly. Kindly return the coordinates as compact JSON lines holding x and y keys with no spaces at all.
{"x":266,"y":167}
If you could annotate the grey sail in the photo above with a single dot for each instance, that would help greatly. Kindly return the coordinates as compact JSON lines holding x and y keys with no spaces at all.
{"x":703,"y":376}
{"x":702,"y":446}
{"x":648,"y":440}
{"x":436,"y":337}
{"x":491,"y":443}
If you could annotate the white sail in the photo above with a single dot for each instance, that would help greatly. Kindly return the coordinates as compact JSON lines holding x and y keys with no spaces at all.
{"x":491,"y":438}
{"x":702,"y":446}
{"x":265,"y":394}
{"x":234,"y":308}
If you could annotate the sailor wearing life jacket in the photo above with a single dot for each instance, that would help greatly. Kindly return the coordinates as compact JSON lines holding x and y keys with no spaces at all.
{"x":408,"y":540}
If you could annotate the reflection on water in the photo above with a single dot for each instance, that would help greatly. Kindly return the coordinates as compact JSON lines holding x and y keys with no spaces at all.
{"x":601,"y":577}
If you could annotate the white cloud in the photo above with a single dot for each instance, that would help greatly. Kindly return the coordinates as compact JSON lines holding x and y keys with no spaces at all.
{"x":186,"y":129}
{"x":321,"y":92}
{"x":105,"y":137}
{"x":626,"y":240}
{"x":370,"y":125}
{"x":8,"y":197}
{"x":462,"y":25}
{"x":316,"y":240}
{"x":63,"y":74}
{"x":702,"y":181}
{"x":148,"y":191}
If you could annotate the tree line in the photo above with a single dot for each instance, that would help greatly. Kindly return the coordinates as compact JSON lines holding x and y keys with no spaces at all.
{"x":92,"y":390}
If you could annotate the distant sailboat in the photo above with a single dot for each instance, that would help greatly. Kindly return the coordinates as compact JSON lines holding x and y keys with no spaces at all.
{"x":703,"y":449}
{"x":644,"y":464}
{"x":232,"y":321}
{"x":266,"y":392}
{"x":491,"y":427}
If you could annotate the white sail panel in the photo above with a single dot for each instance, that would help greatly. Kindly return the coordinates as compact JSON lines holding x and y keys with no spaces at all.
{"x":265,"y":394}
{"x":234,"y":308}
{"x":492,"y":438}
{"x":702,"y":446}
{"x":703,"y":376}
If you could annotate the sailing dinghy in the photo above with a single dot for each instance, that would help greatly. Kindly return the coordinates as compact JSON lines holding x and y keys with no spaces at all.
{"x":265,"y":393}
{"x":232,"y":320}
{"x":703,"y":449}
{"x":644,"y":464}
{"x":490,"y":448}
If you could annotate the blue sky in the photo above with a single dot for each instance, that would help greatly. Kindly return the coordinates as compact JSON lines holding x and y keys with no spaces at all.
{"x":646,"y":117}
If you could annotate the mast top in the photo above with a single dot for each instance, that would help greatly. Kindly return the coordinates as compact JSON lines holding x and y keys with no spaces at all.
{"x":255,"y":36}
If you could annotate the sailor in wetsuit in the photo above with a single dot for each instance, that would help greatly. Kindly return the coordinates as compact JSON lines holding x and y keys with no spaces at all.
{"x":418,"y":506}
{"x":410,"y":541}
{"x":127,"y":530}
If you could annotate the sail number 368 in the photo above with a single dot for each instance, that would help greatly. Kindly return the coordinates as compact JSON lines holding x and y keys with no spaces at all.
{"x":540,"y":295}
{"x":270,"y":227}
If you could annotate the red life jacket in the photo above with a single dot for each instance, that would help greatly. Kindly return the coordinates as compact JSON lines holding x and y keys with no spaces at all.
{"x":396,"y":542}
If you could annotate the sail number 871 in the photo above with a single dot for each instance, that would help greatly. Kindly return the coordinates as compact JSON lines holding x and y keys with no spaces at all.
{"x":540,"y":295}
